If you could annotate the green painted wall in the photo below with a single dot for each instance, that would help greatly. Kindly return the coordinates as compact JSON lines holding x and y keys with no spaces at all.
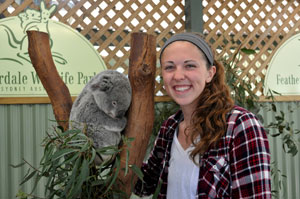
{"x":22,"y":129}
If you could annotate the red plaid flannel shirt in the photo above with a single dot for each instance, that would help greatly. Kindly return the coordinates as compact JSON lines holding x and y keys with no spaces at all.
{"x":238,"y":168}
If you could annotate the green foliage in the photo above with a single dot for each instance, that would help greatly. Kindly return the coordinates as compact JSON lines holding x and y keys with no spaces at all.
{"x":244,"y":96}
{"x":70,"y":170}
{"x":241,"y":89}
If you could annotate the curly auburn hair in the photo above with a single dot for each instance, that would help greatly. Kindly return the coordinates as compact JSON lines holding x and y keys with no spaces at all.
{"x":209,"y":118}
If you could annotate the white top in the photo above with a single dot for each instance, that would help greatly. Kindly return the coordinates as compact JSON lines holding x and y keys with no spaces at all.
{"x":183,"y":172}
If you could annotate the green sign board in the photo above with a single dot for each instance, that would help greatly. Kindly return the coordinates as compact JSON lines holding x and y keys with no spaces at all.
{"x":283,"y":74}
{"x":74,"y":56}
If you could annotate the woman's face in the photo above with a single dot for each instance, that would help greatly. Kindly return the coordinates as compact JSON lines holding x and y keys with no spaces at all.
{"x":185,"y":73}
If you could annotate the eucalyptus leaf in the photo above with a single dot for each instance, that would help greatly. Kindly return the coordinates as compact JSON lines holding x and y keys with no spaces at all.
{"x":70,"y":132}
{"x":93,"y":156}
{"x":109,"y":150}
{"x":74,"y":143}
{"x":137,"y":171}
{"x":84,"y":171}
{"x":117,"y":163}
{"x":61,"y":153}
{"x":83,"y":175}
{"x":28,"y":177}
{"x":85,"y":147}
{"x":72,"y":180}
{"x":47,"y":154}
{"x":36,"y":181}
{"x":50,"y":179}
{"x":69,"y":159}
{"x":248,"y":51}
{"x":126,"y":165}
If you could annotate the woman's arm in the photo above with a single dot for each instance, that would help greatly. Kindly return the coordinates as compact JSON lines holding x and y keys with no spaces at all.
{"x":250,"y":159}
{"x":152,"y":168}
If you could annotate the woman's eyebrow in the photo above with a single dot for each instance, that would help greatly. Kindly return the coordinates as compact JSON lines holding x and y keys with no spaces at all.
{"x":186,"y":61}
{"x":168,"y":62}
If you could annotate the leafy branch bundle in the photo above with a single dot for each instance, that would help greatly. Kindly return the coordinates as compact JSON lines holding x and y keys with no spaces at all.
{"x":70,"y":170}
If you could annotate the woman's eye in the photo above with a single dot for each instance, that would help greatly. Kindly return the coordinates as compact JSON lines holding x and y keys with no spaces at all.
{"x":190,"y":66}
{"x":168,"y":67}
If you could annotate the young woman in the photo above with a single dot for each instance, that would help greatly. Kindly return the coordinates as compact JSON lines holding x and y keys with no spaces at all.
{"x":210,"y":148}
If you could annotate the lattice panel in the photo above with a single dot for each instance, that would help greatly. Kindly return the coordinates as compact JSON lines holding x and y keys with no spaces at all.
{"x":228,"y":24}
{"x":261,"y":25}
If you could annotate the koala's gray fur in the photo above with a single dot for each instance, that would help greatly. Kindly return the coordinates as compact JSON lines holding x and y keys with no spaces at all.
{"x":101,"y":107}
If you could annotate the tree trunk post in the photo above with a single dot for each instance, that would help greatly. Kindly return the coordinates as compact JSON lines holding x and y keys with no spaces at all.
{"x":142,"y":68}
{"x":42,"y":61}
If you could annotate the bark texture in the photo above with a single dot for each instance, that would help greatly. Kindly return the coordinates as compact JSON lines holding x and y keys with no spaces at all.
{"x":142,"y":68}
{"x":42,"y":61}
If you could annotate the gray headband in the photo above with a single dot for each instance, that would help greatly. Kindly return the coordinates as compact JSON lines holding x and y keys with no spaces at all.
{"x":194,"y":39}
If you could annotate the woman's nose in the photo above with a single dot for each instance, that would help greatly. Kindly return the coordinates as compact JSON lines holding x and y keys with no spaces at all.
{"x":179,"y":74}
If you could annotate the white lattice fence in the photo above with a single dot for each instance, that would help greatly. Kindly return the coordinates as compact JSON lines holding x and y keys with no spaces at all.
{"x":261,"y":25}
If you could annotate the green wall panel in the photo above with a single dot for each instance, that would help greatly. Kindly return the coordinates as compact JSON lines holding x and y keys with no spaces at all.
{"x":22,"y":128}
{"x":288,"y":165}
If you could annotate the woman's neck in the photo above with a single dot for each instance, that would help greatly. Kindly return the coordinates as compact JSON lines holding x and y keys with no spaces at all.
{"x":183,"y":134}
{"x":187,"y":115}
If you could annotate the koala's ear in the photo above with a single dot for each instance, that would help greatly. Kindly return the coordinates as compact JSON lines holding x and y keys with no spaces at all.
{"x":105,"y":84}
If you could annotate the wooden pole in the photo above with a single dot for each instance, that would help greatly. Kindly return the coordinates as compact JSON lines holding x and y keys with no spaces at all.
{"x":42,"y":61}
{"x":142,"y":67}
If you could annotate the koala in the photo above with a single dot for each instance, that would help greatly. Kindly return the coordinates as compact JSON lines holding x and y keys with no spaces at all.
{"x":100,"y":109}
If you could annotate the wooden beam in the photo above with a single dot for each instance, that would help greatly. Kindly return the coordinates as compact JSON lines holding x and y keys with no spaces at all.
{"x":42,"y":61}
{"x":142,"y":67}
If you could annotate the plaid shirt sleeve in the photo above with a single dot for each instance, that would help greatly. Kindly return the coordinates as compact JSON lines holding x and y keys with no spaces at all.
{"x":152,"y":169}
{"x":250,"y":159}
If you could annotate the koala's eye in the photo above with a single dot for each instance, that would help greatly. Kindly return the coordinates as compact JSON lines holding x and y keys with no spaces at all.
{"x":114,"y":103}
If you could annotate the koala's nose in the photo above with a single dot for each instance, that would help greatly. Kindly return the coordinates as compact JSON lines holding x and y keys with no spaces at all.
{"x":112,"y":114}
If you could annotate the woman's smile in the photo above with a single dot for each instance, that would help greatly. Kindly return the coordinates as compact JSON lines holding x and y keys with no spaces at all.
{"x":182,"y":88}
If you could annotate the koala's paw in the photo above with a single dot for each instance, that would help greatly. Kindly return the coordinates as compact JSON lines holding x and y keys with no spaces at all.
{"x":117,"y":125}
